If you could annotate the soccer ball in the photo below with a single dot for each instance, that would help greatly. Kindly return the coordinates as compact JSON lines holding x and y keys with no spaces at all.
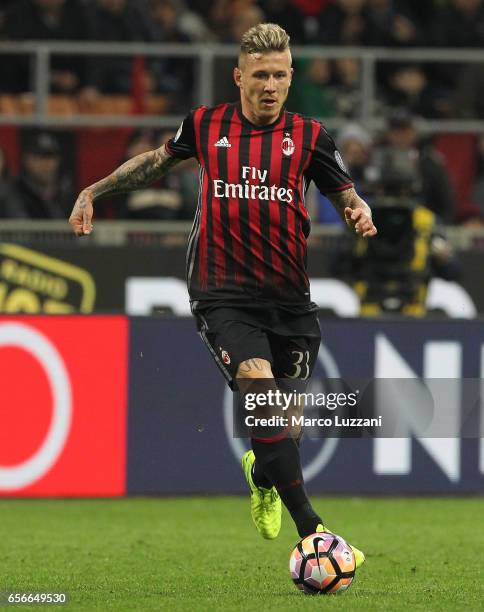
{"x":322,"y":563}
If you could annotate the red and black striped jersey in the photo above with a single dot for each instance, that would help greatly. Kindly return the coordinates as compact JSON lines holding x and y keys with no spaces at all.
{"x":248,"y":241}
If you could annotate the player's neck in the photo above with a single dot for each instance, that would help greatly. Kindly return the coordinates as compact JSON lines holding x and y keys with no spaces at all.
{"x":256,"y":119}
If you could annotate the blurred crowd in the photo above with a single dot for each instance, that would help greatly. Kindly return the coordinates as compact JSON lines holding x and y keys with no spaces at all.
{"x":46,"y":183}
{"x":395,"y":163}
{"x":45,"y":186}
{"x":430,"y":90}
{"x":444,"y":23}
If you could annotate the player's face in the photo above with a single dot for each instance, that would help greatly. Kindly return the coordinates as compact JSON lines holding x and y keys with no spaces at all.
{"x":264,"y":80}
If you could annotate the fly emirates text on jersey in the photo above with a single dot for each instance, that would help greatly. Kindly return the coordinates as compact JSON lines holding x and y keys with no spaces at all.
{"x":248,"y":191}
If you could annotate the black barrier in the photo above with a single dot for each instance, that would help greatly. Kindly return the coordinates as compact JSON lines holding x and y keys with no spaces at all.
{"x":180,"y":415}
{"x":109,"y":405}
{"x":88,"y":278}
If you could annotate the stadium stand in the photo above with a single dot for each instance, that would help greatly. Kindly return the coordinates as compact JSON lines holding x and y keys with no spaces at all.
{"x":69,"y":84}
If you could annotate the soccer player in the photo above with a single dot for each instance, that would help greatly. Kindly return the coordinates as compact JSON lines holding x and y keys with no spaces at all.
{"x":246,"y":260}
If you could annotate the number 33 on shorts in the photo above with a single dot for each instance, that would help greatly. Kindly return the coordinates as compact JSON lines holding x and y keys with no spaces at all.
{"x":300,"y":364}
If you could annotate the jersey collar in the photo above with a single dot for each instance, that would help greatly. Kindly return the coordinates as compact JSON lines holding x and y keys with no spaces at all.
{"x":269,"y":126}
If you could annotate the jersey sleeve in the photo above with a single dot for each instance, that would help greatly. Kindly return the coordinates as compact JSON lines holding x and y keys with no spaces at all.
{"x":183,"y":145}
{"x":326,"y":167}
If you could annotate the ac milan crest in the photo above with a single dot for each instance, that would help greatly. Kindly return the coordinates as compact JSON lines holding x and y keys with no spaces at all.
{"x":288,"y":145}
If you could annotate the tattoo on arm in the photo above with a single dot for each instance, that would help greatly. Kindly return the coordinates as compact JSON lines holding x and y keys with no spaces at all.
{"x":251,"y":364}
{"x":136,"y":173}
{"x":348,"y":197}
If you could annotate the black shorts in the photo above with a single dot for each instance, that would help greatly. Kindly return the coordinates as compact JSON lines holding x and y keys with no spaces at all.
{"x":289,"y":342}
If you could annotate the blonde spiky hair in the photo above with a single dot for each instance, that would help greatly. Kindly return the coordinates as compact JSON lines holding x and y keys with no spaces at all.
{"x":264,"y":37}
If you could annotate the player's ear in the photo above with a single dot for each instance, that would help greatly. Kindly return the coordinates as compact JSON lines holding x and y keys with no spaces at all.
{"x":237,"y":76}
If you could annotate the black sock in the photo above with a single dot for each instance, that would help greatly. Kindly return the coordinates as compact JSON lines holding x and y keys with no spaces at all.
{"x":280,"y":463}
{"x":306,"y":520}
{"x":259,"y":478}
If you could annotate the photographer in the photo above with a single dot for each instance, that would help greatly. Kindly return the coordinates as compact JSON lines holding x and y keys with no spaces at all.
{"x":402,"y":139}
{"x":391,"y":273}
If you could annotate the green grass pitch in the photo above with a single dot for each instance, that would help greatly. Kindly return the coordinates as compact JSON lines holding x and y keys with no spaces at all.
{"x":204,"y":554}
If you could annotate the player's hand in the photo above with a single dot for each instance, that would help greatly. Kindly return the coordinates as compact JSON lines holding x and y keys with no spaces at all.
{"x":81,"y":215}
{"x":359,"y":220}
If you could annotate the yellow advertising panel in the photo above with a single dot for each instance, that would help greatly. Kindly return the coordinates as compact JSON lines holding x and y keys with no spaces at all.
{"x":36,"y":283}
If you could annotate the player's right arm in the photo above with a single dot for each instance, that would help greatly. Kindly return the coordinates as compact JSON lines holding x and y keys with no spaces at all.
{"x":354,"y":211}
{"x":136,"y":173}
{"x":328,"y":171}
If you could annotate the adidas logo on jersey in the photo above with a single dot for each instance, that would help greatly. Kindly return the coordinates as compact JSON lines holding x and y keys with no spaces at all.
{"x":223,"y":142}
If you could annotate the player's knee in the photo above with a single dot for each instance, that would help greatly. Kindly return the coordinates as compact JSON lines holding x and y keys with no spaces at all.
{"x":254,"y":368}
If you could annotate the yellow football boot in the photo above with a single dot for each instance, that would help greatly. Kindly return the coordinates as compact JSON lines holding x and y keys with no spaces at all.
{"x":265,"y":504}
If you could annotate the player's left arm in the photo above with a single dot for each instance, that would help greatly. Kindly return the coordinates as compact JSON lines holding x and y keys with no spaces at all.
{"x":354,"y":210}
{"x":136,"y":173}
